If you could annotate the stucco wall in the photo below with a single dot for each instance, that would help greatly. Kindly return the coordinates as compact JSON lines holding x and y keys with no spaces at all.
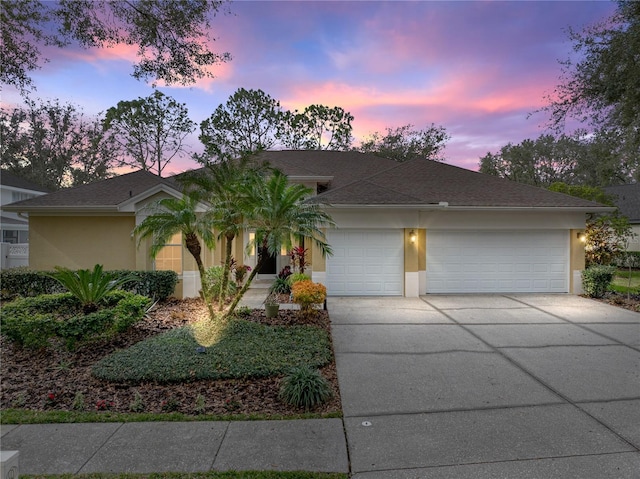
{"x":81,"y":242}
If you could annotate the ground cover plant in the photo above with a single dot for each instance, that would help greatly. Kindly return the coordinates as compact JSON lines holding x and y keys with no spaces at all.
{"x":57,"y":384}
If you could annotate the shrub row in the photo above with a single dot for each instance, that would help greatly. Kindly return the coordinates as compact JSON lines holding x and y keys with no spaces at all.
{"x":22,"y":282}
{"x":629,"y":259}
{"x":33,"y":321}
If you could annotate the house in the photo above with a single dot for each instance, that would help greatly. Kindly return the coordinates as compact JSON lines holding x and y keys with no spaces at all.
{"x":14,"y":229}
{"x":403,"y":229}
{"x":627,"y":199}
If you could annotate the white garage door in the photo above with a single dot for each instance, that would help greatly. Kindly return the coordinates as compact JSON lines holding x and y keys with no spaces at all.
{"x":497,"y":261}
{"x":365,"y":263}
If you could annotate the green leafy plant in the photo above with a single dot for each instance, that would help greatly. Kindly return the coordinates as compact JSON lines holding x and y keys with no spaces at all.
{"x":296,"y":277}
{"x":304,"y":387}
{"x":137,"y":405}
{"x":78,"y":402}
{"x":280,"y":286}
{"x":596,"y":280}
{"x":213,"y":282}
{"x":200,"y":405}
{"x":90,"y":287}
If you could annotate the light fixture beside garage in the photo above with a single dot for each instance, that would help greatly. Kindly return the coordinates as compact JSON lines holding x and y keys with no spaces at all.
{"x":581,"y":236}
{"x":413,"y":236}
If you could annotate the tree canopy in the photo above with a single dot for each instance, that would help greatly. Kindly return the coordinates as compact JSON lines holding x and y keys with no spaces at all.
{"x":149,"y":131}
{"x":252,"y":120}
{"x":55,"y":145}
{"x":172,"y":37}
{"x":601,"y":88}
{"x":405,"y":143}
{"x":579,"y":159}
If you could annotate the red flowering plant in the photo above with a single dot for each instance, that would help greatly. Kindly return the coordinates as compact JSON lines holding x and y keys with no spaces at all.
{"x":51,"y":399}
{"x":103,"y":405}
{"x":299,"y":258}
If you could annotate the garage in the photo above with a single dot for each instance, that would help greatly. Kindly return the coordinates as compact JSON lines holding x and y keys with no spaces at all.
{"x":365,"y":263}
{"x":532,"y":261}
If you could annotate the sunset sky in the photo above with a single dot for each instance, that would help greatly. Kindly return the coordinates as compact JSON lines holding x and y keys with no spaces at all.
{"x":476,"y":68}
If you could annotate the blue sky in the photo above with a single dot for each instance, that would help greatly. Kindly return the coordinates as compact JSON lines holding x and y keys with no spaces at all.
{"x":477,"y":68}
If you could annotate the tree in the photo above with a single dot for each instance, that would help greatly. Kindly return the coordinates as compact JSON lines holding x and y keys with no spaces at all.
{"x":277,"y":212}
{"x":172,"y":37}
{"x":405,"y":143}
{"x":580,"y":159}
{"x":318,"y":127}
{"x":250,"y":121}
{"x":220,"y":185}
{"x":169,"y":216}
{"x":150,"y":131}
{"x":601,"y":87}
{"x":55,"y":145}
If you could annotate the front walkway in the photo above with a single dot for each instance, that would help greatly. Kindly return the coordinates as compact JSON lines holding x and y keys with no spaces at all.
{"x":525,"y":386}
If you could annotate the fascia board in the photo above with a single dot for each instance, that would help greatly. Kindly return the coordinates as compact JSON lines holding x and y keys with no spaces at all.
{"x":575,"y":209}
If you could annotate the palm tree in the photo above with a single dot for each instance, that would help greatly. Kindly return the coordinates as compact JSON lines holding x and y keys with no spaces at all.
{"x":221,"y":186}
{"x":277,"y":211}
{"x":170,"y":216}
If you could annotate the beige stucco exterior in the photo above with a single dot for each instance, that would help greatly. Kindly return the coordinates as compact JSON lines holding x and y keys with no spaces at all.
{"x":81,"y":242}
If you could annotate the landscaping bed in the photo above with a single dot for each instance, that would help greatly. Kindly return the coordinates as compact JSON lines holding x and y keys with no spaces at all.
{"x":56,"y":379}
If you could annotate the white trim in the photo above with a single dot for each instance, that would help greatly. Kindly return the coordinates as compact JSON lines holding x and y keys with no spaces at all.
{"x":411,"y":284}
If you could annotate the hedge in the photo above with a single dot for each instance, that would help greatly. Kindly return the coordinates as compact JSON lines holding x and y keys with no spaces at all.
{"x":33,"y":321}
{"x":26,"y":283}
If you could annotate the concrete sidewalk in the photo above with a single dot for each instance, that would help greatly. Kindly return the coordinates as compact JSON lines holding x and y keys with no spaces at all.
{"x":526,"y":386}
{"x":304,"y":445}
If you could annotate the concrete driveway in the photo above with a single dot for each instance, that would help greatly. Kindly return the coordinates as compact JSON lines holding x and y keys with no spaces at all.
{"x":525,"y":386}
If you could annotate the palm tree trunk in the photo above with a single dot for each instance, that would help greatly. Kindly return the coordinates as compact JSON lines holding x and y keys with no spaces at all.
{"x":193,"y":245}
{"x":245,"y":287}
{"x":225,"y":272}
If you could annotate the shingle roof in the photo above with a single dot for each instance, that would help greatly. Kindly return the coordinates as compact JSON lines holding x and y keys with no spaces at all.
{"x":105,"y":193}
{"x":9,"y":179}
{"x":356,"y":179}
{"x":627,"y":199}
{"x":364,"y":179}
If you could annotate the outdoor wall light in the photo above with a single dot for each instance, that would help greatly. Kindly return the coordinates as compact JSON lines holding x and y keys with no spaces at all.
{"x":413,"y":236}
{"x":581,"y":236}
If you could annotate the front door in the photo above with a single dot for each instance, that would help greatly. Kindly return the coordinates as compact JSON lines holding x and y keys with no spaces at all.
{"x":269,"y":267}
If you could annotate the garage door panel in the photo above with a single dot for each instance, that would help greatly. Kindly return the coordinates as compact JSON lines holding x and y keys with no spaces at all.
{"x":372,"y":264}
{"x":497,"y":261}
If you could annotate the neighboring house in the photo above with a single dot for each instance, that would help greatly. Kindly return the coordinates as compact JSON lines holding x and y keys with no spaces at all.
{"x":627,"y":199}
{"x":15,"y":228}
{"x":403,"y":229}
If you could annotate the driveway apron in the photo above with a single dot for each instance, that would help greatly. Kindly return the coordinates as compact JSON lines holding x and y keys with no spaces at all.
{"x":480,"y":386}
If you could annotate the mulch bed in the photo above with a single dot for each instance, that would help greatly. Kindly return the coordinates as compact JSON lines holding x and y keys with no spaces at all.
{"x":51,"y":379}
{"x":622,"y":300}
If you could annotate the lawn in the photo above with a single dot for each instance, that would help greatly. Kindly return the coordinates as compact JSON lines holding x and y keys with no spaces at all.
{"x":626,"y":281}
{"x":154,"y":371}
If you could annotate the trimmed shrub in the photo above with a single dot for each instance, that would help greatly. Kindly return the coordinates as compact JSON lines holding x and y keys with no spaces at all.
{"x":304,"y":387}
{"x":25,"y":283}
{"x":307,"y":293}
{"x":32,"y":322}
{"x":596,"y":279}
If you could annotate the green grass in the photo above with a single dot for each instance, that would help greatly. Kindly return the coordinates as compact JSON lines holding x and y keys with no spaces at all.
{"x":242,"y":350}
{"x":200,"y":475}
{"x":620,"y":283}
{"x":27,"y":416}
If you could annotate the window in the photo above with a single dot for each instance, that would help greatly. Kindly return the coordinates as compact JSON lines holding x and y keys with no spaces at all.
{"x":15,"y":236}
{"x":170,"y":256}
{"x":19,"y":196}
